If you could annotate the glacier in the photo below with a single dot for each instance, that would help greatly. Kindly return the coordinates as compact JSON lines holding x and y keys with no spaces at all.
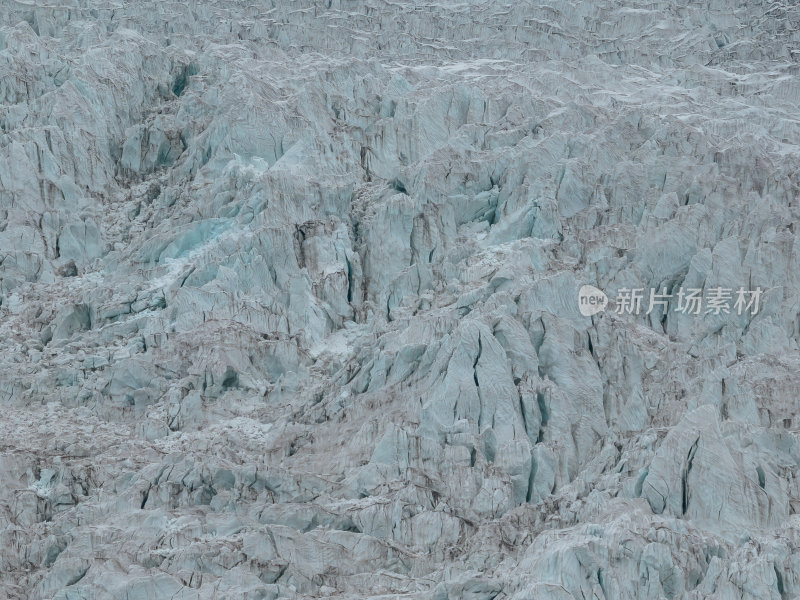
{"x":288,"y":299}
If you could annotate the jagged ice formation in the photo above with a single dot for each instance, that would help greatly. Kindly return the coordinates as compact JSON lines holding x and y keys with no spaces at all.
{"x":288,"y":299}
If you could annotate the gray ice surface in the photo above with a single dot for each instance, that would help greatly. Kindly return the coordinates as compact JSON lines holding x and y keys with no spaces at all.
{"x":288,"y":299}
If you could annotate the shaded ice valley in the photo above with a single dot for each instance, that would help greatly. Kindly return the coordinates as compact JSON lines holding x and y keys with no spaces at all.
{"x":288,"y":299}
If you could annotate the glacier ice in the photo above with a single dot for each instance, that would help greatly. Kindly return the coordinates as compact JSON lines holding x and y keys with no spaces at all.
{"x":288,"y":299}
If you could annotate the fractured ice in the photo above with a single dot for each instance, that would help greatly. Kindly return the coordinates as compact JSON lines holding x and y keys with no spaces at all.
{"x":289,"y":299}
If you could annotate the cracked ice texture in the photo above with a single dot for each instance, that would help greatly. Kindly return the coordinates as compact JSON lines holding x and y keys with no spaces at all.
{"x":289,"y":299}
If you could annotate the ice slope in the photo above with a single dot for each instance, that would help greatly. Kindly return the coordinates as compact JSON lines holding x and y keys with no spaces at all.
{"x":288,"y":299}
